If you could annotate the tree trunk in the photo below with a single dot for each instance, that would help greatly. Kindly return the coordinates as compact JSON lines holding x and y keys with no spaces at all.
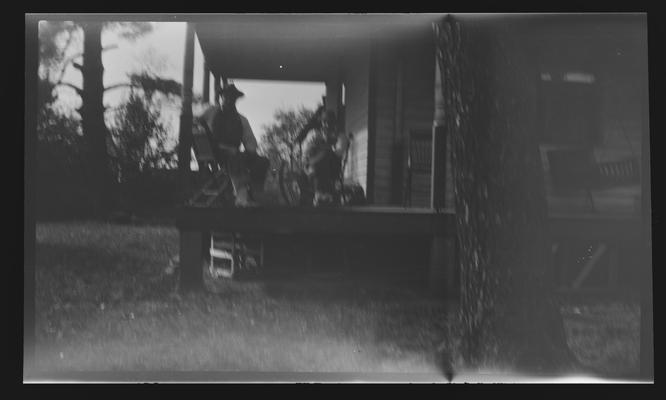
{"x":92,"y":114}
{"x":508,"y":319}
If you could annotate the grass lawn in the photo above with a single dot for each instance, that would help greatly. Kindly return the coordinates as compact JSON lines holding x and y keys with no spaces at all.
{"x":106,"y":300}
{"x":605,"y":335}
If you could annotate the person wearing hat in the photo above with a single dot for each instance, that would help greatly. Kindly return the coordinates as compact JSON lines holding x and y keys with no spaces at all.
{"x":229,"y":130}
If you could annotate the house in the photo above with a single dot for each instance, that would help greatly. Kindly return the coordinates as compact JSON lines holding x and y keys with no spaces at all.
{"x":382,"y":78}
{"x":379,"y":73}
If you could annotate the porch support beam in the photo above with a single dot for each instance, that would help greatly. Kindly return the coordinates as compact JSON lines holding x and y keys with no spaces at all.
{"x":185,"y":129}
{"x":216,"y":85}
{"x":398,"y":156}
{"x":206,"y":83}
{"x":372,"y":124}
{"x":192,"y":245}
{"x":334,"y":97}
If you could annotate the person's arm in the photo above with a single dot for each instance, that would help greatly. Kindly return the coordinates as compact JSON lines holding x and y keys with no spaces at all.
{"x":313,"y":123}
{"x":248,"y":139}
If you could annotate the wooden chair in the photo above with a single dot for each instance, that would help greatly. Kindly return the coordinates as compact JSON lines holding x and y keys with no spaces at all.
{"x":419,"y":159}
{"x":231,"y":253}
{"x":203,"y":149}
{"x":621,"y":172}
{"x":216,"y":180}
{"x":227,"y":252}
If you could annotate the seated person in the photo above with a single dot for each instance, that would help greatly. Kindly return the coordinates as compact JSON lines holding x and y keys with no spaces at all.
{"x":324,"y":156}
{"x":229,"y":129}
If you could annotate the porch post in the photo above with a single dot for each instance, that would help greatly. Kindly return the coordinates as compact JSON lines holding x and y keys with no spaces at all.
{"x":398,"y":184}
{"x":192,"y":243}
{"x":206,"y":83}
{"x":372,"y":126}
{"x":216,"y":85}
{"x":334,"y":96}
{"x":185,"y":131}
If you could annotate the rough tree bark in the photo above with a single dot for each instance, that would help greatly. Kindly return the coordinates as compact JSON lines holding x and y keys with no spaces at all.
{"x":507,"y":317}
{"x":92,"y":113}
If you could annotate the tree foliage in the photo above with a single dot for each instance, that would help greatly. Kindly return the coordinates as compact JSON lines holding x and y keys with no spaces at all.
{"x":60,"y":159}
{"x":278,"y":142}
{"x":140,"y":137}
{"x":130,"y":31}
{"x":152,"y":84}
{"x":59,"y":142}
{"x":55,"y":38}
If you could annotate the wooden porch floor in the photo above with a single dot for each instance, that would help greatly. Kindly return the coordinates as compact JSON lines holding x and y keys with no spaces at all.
{"x":334,"y":220}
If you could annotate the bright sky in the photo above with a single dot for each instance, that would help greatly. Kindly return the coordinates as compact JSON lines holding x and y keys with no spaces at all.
{"x":163,"y":50}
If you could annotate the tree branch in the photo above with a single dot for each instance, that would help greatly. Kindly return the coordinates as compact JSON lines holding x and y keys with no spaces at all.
{"x":70,"y":60}
{"x":120,"y":85}
{"x":70,"y":37}
{"x":111,"y":47}
{"x":79,"y":91}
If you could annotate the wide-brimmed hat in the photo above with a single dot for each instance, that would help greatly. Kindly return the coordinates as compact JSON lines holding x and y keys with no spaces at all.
{"x":231,"y":90}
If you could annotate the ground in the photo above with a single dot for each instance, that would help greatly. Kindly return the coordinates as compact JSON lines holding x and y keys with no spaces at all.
{"x":107,"y":299}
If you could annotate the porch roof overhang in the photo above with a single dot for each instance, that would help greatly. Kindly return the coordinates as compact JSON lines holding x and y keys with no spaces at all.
{"x":313,"y":47}
{"x":297,"y":47}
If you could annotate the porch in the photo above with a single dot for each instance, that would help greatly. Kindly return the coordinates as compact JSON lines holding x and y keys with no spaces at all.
{"x":382,"y":79}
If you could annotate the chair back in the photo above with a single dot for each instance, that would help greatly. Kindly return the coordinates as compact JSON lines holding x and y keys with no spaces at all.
{"x":203,"y":148}
{"x":420,"y":151}
{"x":621,"y":172}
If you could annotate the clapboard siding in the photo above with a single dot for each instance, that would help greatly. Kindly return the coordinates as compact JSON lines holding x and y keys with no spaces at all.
{"x":420,"y":190}
{"x":414,"y":61}
{"x":419,"y":106}
{"x":384,"y":107}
